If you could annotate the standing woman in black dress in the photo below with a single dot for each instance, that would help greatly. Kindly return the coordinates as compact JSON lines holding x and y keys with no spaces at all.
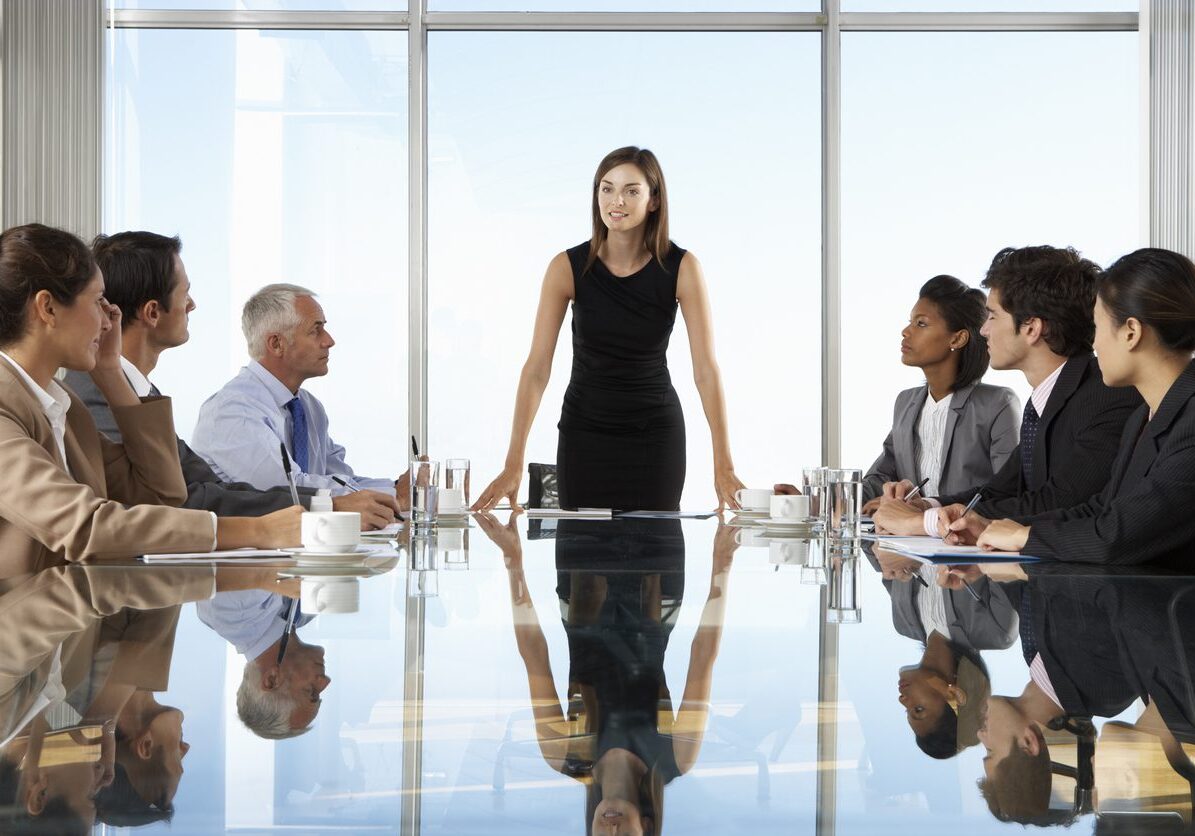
{"x":622,"y":431}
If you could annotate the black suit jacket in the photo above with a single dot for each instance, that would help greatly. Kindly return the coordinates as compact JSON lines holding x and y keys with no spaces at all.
{"x":205,"y":491}
{"x":1147,"y":508}
{"x":1078,"y":437}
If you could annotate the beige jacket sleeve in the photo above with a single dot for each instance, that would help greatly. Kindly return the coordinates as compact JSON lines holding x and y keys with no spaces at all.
{"x":70,"y":515}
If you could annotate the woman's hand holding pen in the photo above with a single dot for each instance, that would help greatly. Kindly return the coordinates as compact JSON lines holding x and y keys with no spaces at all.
{"x":1004,"y":536}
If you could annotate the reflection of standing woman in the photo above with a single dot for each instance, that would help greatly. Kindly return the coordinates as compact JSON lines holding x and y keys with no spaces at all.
{"x":622,"y":431}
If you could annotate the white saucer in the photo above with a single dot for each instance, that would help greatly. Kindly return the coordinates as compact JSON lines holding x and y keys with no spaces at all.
{"x":456,"y":512}
{"x":308,"y":557}
{"x":752,"y":515}
{"x":787,"y":524}
{"x":363,"y":570}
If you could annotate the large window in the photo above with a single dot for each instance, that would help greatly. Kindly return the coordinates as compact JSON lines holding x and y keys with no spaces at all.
{"x":734,"y":119}
{"x":277,"y":157}
{"x":956,"y":145}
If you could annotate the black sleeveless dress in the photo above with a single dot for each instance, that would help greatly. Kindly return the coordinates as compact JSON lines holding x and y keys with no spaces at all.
{"x":622,"y":431}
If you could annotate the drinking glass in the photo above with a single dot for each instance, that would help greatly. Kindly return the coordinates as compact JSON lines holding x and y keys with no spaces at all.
{"x":456,"y":475}
{"x":842,"y":599}
{"x":425,"y":491}
{"x":814,"y":485}
{"x":845,"y":499}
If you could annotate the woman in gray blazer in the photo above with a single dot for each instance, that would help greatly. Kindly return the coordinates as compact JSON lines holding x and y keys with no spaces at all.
{"x":952,"y":429}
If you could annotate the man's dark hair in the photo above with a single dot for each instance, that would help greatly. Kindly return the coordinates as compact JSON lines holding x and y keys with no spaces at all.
{"x":138,"y":267}
{"x":1056,"y":285}
{"x":1019,"y":790}
{"x":120,"y":805}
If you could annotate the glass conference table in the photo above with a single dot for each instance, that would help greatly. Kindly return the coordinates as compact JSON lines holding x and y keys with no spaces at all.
{"x":493,"y":680}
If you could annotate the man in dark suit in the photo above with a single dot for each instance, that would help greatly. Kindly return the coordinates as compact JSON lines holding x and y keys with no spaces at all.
{"x":145,"y":277}
{"x":1040,"y":302}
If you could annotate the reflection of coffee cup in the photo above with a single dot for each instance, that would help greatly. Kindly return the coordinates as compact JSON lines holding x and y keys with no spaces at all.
{"x":788,"y":552}
{"x":450,"y":539}
{"x":750,"y":537}
{"x":752,"y":499}
{"x":790,"y":507}
{"x":330,"y":531}
{"x":452,"y":501}
{"x":329,"y":595}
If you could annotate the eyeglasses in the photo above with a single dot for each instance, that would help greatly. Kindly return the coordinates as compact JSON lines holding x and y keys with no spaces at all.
{"x":291,"y":615}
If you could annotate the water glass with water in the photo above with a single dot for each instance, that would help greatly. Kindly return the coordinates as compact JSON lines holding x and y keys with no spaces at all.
{"x":425,"y":488}
{"x":814,"y":485}
{"x":842,"y":598}
{"x":456,"y":477}
{"x":846,"y":500}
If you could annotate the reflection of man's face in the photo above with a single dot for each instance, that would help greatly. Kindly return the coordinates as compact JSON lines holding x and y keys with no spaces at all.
{"x":167,"y":730}
{"x":1004,"y":729}
{"x":305,"y":679}
{"x":76,"y":784}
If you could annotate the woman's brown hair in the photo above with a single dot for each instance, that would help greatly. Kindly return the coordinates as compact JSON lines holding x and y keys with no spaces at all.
{"x":655,"y":235}
{"x":35,"y":257}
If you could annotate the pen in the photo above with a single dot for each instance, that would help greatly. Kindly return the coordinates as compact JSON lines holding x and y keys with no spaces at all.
{"x":345,"y":484}
{"x":911,"y":494}
{"x":970,"y":507}
{"x":414,"y":446}
{"x":290,"y":477}
{"x":921,"y":580}
{"x":291,"y":614}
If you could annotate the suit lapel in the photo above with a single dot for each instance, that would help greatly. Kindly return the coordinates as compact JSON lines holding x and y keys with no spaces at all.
{"x":904,"y":439}
{"x":957,"y":403}
{"x":1073,"y":371}
{"x":1150,"y":437}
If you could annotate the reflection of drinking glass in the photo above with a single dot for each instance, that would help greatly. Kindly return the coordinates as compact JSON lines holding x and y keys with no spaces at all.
{"x":453,"y":547}
{"x":814,"y":570}
{"x":425,"y":486}
{"x":846,"y":499}
{"x":456,"y":476}
{"x":423,"y":580}
{"x":842,"y":599}
{"x":813,"y":485}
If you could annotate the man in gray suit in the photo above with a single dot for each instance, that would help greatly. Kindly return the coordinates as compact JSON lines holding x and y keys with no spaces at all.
{"x":145,"y":277}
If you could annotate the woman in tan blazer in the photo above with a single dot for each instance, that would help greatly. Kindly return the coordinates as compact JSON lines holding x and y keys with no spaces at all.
{"x":68,"y":493}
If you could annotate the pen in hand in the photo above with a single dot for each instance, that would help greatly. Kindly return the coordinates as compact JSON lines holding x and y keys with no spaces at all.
{"x":916,"y":490}
{"x":345,"y":484}
{"x":414,"y":446}
{"x":971,"y":507}
{"x":290,"y":476}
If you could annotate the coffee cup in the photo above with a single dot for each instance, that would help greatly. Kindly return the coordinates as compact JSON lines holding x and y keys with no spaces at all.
{"x":452,"y":501}
{"x":788,"y":552}
{"x":330,"y":531}
{"x":789,"y":507}
{"x":329,"y":595}
{"x":752,"y":499}
{"x":750,"y":537}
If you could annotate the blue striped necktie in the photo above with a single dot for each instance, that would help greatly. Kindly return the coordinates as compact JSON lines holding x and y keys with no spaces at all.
{"x":298,"y":433}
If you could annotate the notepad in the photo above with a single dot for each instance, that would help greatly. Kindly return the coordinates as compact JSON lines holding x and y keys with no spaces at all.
{"x":934,"y":550}
{"x":222,"y":556}
{"x":664,"y":515}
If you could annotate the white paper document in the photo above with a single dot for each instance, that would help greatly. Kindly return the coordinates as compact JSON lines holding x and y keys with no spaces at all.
{"x":223,"y":556}
{"x":934,"y":550}
{"x":580,"y":513}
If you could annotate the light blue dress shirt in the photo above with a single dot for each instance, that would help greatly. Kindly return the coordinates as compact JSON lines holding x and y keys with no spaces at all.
{"x":240,"y":426}
{"x":249,"y":619}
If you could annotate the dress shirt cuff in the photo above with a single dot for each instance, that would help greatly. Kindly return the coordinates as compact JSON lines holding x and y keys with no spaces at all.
{"x":215,"y":531}
{"x":930,"y":521}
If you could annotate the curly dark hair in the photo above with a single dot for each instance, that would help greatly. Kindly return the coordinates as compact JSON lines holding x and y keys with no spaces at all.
{"x":1056,"y":285}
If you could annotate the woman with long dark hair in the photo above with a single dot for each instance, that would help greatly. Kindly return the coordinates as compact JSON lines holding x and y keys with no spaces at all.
{"x":1144,"y":338}
{"x":622,"y":431}
{"x":953,"y":430}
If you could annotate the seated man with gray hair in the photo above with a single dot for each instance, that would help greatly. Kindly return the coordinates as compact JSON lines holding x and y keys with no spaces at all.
{"x":277,"y":699}
{"x":240,"y":426}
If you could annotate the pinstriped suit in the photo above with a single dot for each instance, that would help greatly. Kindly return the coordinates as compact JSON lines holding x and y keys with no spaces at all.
{"x":1147,"y":508}
{"x":1077,"y":441}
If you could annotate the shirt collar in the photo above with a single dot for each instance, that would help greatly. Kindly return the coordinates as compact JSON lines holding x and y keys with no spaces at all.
{"x":137,"y":380}
{"x":1041,"y":392}
{"x":54,"y":402}
{"x":277,"y":389}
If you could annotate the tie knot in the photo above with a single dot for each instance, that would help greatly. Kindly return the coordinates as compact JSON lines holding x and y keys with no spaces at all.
{"x":294,"y":405}
{"x":1031,"y":411}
